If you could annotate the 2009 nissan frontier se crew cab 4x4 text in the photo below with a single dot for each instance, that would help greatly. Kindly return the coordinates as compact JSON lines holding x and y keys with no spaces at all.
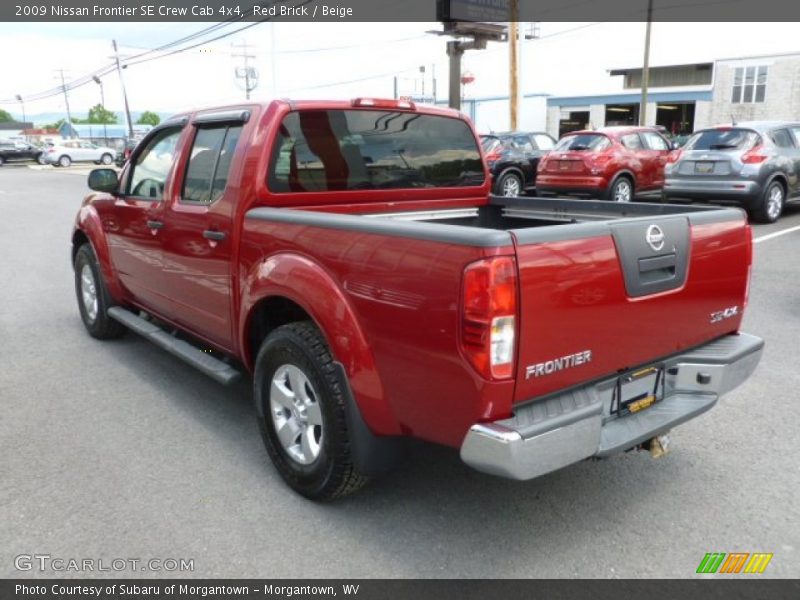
{"x":350,"y":257}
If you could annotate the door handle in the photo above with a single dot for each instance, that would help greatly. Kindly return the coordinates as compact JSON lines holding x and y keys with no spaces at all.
{"x":211,"y":234}
{"x":155,"y":224}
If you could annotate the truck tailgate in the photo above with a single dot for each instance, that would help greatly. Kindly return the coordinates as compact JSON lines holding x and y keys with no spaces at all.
{"x":597,"y":298}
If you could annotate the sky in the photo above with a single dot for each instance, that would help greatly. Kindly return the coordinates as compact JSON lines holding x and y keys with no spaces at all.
{"x":345,"y":60}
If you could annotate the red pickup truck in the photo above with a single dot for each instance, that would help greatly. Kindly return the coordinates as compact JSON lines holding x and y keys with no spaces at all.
{"x":350,"y":257}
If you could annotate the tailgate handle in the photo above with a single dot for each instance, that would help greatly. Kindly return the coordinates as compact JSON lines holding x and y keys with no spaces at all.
{"x":657,"y":268}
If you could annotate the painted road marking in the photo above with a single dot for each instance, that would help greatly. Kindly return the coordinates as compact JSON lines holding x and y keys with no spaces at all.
{"x":769,"y":236}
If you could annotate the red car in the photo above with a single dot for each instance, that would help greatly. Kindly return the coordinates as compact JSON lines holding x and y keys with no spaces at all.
{"x":349,"y":256}
{"x":614,"y":163}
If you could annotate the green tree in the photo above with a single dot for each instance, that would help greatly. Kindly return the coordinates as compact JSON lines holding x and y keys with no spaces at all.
{"x":98,"y":115}
{"x":5,"y":117}
{"x":55,"y":125}
{"x":149,"y":118}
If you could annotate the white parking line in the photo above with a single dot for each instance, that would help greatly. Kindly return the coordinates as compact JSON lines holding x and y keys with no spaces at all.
{"x":769,"y":236}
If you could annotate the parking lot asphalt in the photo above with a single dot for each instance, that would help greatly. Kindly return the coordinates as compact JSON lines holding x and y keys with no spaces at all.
{"x":118,"y":450}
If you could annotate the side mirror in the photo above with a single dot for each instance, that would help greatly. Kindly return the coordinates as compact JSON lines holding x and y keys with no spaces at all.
{"x":103,"y":180}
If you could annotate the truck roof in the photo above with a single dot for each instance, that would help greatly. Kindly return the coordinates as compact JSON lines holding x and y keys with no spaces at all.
{"x":355,"y":103}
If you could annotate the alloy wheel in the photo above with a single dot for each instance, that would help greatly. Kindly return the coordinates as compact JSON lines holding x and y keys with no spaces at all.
{"x":296,"y":414}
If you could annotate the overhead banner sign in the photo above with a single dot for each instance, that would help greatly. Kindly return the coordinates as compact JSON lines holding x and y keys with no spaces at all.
{"x":478,"y":11}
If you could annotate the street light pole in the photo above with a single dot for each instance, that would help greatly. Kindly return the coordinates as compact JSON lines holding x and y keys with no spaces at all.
{"x":646,"y":66}
{"x":99,"y":82}
{"x":124,"y":93}
{"x":19,"y":99}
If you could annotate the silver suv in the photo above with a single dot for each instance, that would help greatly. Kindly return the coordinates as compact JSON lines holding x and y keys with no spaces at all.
{"x":755,"y":165}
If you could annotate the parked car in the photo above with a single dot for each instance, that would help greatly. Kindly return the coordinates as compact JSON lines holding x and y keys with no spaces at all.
{"x":12,"y":151}
{"x":124,"y":153}
{"x":614,"y":163}
{"x":755,"y":165}
{"x":63,"y":154}
{"x":512,"y":159}
{"x":350,"y":257}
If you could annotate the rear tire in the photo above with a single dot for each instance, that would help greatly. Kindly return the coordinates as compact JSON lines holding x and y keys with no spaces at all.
{"x":298,"y":393}
{"x":770,"y":207}
{"x":2,"y":161}
{"x":64,"y":161}
{"x":621,"y":190}
{"x":106,"y":159}
{"x":509,"y":185}
{"x":93,"y":297}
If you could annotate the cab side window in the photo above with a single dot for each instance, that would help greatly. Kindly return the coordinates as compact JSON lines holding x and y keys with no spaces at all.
{"x":152,"y":166}
{"x":209,"y":163}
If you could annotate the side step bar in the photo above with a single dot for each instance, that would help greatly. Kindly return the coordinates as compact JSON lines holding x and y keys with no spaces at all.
{"x":213,"y":367}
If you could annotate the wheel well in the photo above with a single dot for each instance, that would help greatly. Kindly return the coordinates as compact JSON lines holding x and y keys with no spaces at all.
{"x":267,"y":315}
{"x":78,"y":239}
{"x":513,"y":170}
{"x":627,"y":175}
{"x":782,"y":180}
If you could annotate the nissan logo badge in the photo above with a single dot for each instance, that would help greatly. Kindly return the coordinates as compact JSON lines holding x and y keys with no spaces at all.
{"x":655,"y":237}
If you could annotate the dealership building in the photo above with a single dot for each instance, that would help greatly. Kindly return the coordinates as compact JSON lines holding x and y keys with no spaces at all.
{"x":681,"y":98}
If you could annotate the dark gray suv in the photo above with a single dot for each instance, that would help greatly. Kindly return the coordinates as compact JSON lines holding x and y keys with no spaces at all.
{"x":755,"y":165}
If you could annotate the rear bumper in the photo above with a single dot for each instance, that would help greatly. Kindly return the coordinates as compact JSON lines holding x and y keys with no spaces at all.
{"x":549,"y":434}
{"x":743,"y":191}
{"x":577,"y":184}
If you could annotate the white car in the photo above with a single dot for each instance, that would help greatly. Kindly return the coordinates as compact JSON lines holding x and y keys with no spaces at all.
{"x":63,"y":154}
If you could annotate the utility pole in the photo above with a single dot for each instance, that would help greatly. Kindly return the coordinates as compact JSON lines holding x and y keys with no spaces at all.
{"x":249,"y":74}
{"x":646,"y":66}
{"x":124,"y":93}
{"x":99,"y":82}
{"x":66,"y":100}
{"x":513,"y":82}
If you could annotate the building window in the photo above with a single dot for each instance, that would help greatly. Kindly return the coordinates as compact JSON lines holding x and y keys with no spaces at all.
{"x":749,"y":84}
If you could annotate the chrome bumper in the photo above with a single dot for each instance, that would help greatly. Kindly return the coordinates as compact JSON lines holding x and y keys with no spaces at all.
{"x":549,"y":434}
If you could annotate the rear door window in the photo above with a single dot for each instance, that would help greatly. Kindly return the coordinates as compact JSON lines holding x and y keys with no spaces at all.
{"x":655,"y":141}
{"x":632,"y":141}
{"x":723,"y":139}
{"x":209,"y":162}
{"x":523,"y":143}
{"x":544,"y":142}
{"x":343,"y":150}
{"x":782,"y":138}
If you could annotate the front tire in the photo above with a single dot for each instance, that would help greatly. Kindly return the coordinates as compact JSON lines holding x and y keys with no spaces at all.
{"x":301,"y":413}
{"x":770,"y":207}
{"x":93,"y":298}
{"x":621,"y":190}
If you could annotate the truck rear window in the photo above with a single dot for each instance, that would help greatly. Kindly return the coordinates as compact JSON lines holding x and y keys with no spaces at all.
{"x":339,"y":150}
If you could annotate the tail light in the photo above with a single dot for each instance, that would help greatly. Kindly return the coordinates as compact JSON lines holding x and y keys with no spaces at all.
{"x":488,"y":316}
{"x":674,"y":156}
{"x":492,"y":157}
{"x":51,"y":149}
{"x":754,"y":156}
{"x":749,"y":231}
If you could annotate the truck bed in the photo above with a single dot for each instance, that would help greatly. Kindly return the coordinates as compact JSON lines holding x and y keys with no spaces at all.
{"x":587,"y":284}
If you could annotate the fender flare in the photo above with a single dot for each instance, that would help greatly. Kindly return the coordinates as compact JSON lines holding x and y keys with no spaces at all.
{"x":307,"y":284}
{"x":88,"y":223}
